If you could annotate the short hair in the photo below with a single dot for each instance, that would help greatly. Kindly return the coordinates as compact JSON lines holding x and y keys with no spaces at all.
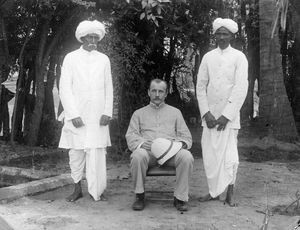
{"x":157,"y":80}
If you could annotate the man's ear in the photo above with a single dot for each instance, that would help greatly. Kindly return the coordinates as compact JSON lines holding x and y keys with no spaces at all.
{"x":232,"y":36}
{"x":83,"y":39}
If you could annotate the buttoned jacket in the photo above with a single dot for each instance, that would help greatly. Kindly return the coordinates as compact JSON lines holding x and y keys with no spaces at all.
{"x":151,"y":122}
{"x":222,"y":84}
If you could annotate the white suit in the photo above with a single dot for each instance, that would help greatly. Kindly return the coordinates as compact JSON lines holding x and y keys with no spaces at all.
{"x":86,"y":91}
{"x":221,"y":89}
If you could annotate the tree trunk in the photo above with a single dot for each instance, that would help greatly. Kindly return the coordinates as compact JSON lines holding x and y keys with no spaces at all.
{"x":40,"y":70}
{"x":2,"y":52}
{"x":4,"y":71}
{"x":253,"y":59}
{"x":2,"y":60}
{"x":295,"y":9}
{"x":42,"y":60}
{"x":275,"y":110}
{"x":17,"y":116}
{"x":49,"y":100}
{"x":47,"y":133}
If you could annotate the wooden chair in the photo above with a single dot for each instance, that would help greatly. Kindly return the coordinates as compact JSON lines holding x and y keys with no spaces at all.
{"x":160,"y":171}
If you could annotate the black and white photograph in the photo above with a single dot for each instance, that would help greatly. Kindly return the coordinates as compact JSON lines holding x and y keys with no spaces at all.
{"x":149,"y":115}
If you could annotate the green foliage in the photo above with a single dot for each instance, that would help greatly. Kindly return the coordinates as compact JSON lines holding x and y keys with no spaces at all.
{"x":150,"y":39}
{"x":49,"y":133}
{"x":128,"y":56}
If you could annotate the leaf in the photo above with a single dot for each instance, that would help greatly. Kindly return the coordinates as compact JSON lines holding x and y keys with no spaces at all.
{"x":153,"y":4}
{"x":144,"y":4}
{"x":158,"y":10}
{"x":156,"y":22}
{"x":142,"y":16}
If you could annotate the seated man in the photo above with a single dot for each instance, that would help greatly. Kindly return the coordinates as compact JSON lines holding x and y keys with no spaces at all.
{"x":159,"y":120}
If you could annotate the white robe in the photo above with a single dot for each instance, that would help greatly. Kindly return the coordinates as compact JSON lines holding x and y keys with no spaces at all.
{"x":85,"y":91}
{"x":220,"y":158}
{"x":222,"y":86}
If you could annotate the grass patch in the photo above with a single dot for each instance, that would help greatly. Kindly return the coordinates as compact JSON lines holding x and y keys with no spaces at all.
{"x":270,"y":154}
{"x":281,"y":210}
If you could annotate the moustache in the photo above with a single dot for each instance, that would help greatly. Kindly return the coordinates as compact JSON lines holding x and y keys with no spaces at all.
{"x":92,"y":46}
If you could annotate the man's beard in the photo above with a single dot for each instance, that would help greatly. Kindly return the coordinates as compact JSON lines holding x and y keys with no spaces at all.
{"x":92,"y":46}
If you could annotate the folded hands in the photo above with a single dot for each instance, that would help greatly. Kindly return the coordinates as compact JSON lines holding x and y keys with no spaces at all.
{"x":212,"y":122}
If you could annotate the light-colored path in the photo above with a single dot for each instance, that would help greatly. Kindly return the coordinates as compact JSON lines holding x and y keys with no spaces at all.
{"x":258,"y":184}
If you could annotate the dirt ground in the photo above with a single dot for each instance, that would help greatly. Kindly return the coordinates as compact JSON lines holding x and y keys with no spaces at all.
{"x":261,"y":184}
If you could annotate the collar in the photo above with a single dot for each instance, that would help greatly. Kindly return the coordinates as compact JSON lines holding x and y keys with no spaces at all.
{"x":87,"y":52}
{"x":155,"y":106}
{"x":224,"y":50}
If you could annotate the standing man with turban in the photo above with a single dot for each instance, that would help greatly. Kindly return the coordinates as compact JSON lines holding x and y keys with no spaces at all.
{"x":86,"y":94}
{"x":221,"y":90}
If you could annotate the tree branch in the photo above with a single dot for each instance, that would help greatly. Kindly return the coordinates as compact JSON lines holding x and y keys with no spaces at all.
{"x":58,"y":34}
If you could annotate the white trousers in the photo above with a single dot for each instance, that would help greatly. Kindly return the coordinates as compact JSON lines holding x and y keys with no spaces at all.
{"x":95,"y":162}
{"x":220,"y":158}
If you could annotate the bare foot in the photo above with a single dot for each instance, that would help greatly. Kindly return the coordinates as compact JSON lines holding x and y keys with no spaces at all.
{"x":229,"y":197}
{"x":208,"y":197}
{"x":102,"y":197}
{"x":230,"y":202}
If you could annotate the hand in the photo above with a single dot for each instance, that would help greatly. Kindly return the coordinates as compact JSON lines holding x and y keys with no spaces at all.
{"x":147,"y":145}
{"x":222,"y":122}
{"x":104,"y":120}
{"x":77,"y":122}
{"x":211,"y":121}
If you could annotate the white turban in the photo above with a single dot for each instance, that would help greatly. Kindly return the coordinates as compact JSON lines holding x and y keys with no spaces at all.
{"x":89,"y":27}
{"x":227,"y":23}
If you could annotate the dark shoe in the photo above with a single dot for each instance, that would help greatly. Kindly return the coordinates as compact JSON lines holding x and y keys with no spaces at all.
{"x":180,"y":205}
{"x":139,"y":203}
{"x":76,"y":194}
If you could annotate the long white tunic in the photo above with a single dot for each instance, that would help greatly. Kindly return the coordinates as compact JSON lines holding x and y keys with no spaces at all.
{"x":221,"y":89}
{"x":222,"y":84}
{"x":86,"y":91}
